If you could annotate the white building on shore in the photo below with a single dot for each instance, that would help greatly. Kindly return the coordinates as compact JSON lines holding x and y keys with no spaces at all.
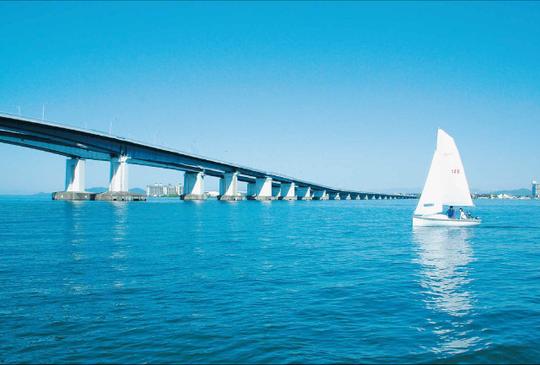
{"x":535,"y":190}
{"x":159,"y":190}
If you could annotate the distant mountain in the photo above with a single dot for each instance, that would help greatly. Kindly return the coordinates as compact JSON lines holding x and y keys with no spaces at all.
{"x":41,"y":194}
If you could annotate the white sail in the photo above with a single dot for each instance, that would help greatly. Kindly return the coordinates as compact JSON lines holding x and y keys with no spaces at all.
{"x":446,"y":183}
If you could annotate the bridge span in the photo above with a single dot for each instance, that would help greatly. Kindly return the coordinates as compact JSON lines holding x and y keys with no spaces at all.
{"x":79,"y":145}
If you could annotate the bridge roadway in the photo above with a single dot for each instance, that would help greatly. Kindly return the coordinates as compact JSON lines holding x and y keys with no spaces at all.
{"x":79,"y":145}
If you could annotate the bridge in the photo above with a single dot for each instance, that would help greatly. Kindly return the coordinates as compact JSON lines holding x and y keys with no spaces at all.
{"x":79,"y":145}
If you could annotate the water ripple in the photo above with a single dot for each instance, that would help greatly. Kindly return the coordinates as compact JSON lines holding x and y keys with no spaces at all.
{"x":309,"y":282}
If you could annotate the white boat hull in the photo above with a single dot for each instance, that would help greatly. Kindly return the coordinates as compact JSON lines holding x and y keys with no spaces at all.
{"x":441,"y":220}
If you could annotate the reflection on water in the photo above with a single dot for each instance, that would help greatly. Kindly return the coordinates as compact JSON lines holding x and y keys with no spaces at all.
{"x":78,"y":272}
{"x":74,"y":232}
{"x":119,"y":244}
{"x":174,"y":282}
{"x":74,"y":229}
{"x":119,"y":222}
{"x":444,"y":255}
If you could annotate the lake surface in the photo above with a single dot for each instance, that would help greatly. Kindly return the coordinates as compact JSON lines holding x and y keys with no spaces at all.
{"x":251,"y":282}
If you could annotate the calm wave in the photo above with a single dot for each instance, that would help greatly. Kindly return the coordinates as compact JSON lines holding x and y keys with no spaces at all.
{"x":252,"y":282}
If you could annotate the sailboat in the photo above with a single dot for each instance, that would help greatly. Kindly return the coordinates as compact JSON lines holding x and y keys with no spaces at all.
{"x":446,"y":185}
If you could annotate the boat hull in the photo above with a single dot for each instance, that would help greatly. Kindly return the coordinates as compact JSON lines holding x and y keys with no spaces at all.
{"x":441,"y":220}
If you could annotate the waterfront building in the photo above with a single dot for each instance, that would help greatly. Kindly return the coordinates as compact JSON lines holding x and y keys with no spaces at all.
{"x":212,"y":194}
{"x":535,"y":190}
{"x":159,"y":190}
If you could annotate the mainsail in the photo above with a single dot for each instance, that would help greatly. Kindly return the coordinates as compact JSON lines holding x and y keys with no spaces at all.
{"x":446,"y":183}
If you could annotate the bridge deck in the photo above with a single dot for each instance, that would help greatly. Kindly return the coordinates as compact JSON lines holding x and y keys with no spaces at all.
{"x":87,"y":144}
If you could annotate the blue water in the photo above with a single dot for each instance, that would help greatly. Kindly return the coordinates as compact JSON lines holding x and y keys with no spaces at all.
{"x":251,"y":282}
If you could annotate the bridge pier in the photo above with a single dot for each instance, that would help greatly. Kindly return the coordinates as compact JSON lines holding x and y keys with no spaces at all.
{"x":118,"y":182}
{"x":261,"y":189}
{"x":228,"y":187}
{"x":320,"y":195}
{"x":193,"y":186}
{"x":288,"y":191}
{"x":75,"y":175}
{"x":75,"y":182}
{"x":304,"y":193}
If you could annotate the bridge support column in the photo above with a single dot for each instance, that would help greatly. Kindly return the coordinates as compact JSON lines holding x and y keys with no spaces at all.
{"x":118,"y":182}
{"x":228,"y":187}
{"x":193,"y":186}
{"x":75,"y":175}
{"x":288,"y":191}
{"x":347,"y":197}
{"x":320,"y":195}
{"x":75,"y":181}
{"x":261,"y":189}
{"x":304,"y":193}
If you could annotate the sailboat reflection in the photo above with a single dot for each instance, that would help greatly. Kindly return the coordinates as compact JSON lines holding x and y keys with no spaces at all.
{"x":444,"y":255}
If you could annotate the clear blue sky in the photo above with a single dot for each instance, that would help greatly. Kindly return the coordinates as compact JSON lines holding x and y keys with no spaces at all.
{"x":348,"y":94}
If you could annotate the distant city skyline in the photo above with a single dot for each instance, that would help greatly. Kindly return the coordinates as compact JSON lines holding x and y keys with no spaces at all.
{"x":346,"y":94}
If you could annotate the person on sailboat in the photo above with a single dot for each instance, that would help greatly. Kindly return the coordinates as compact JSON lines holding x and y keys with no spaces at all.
{"x":450,"y":212}
{"x":462,"y":214}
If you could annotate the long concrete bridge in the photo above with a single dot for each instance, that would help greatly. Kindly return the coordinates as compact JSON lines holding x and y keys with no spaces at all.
{"x":79,"y":145}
